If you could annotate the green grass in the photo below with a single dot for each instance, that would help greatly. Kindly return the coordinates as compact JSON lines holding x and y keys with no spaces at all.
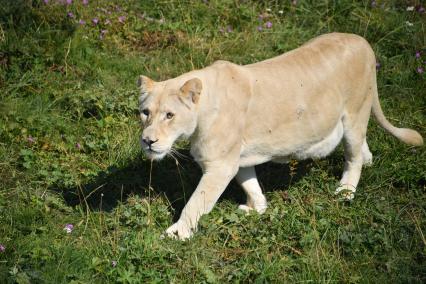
{"x":69,"y":150}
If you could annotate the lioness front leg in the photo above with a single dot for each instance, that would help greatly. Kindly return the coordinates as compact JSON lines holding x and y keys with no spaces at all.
{"x":247,"y":178}
{"x":212,"y":184}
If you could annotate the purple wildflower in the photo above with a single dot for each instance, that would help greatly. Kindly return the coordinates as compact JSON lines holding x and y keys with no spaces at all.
{"x":418,"y":54}
{"x":82,"y":22}
{"x":95,"y":21}
{"x":260,"y":18}
{"x":70,"y":15}
{"x":378,"y":65}
{"x":229,"y":29}
{"x":268,"y":25}
{"x":78,"y":146}
{"x":85,"y":2}
{"x":121,"y":19}
{"x":101,"y":37}
{"x":420,"y":70}
{"x":259,"y":28}
{"x":68,"y":2}
{"x":373,"y":4}
{"x":420,"y":9}
{"x":46,"y":1}
{"x":68,"y":228}
{"x":30,"y":139}
{"x":2,"y":248}
{"x":114,"y":263}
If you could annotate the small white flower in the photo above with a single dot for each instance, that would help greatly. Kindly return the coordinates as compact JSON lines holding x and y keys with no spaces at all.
{"x":410,"y":8}
{"x":268,"y":10}
{"x":281,"y":12}
{"x":408,"y":23}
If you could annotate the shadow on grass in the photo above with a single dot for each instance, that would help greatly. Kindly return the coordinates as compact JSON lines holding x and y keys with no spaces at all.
{"x":176,"y":181}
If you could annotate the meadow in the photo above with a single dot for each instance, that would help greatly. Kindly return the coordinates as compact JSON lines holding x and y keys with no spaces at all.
{"x":79,"y":202}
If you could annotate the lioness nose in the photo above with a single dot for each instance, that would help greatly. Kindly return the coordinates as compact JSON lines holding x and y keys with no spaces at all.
{"x":148,"y":141}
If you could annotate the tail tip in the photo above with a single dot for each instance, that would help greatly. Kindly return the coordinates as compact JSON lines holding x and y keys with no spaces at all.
{"x":411,"y":137}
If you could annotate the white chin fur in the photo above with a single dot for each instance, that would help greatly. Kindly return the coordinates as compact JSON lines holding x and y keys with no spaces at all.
{"x":155,"y":155}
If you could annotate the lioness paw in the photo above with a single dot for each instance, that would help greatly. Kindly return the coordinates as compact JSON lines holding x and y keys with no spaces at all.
{"x":179,"y":230}
{"x":259,"y":209}
{"x":346,"y":191}
{"x":245,"y":208}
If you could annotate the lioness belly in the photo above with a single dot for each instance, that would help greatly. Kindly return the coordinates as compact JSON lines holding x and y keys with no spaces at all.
{"x":323,"y":147}
{"x":252,"y":155}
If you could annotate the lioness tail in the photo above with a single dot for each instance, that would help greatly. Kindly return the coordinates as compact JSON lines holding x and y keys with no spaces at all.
{"x":406,"y":135}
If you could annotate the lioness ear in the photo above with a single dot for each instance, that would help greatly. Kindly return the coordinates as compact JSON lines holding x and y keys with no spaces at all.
{"x":192,"y":89}
{"x":145,"y":84}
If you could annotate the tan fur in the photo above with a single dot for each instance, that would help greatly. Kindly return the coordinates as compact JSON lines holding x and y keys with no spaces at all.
{"x":297,"y":105}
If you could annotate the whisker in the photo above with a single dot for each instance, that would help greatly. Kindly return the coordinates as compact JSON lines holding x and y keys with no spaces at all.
{"x":173,"y":155}
{"x":179,"y":154}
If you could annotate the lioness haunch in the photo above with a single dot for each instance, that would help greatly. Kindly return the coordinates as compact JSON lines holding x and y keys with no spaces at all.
{"x":298,"y":105}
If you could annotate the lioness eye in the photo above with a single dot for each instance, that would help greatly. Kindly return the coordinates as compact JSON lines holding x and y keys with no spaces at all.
{"x":145,"y":112}
{"x":170,"y":115}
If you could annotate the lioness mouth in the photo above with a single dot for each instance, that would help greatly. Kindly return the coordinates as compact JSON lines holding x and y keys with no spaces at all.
{"x":153,"y":151}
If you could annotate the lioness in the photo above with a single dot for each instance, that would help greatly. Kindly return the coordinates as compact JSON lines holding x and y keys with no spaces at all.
{"x":298,"y":105}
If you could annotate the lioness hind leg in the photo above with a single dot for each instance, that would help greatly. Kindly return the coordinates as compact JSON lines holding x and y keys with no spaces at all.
{"x":352,"y":171}
{"x":356,"y":149}
{"x":356,"y":155}
{"x":246,"y":177}
{"x":355,"y":122}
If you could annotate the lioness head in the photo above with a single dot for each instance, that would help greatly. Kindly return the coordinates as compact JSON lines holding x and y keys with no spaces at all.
{"x":167,"y":112}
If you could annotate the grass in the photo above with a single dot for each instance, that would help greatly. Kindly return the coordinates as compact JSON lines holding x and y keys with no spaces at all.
{"x":69,"y":150}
